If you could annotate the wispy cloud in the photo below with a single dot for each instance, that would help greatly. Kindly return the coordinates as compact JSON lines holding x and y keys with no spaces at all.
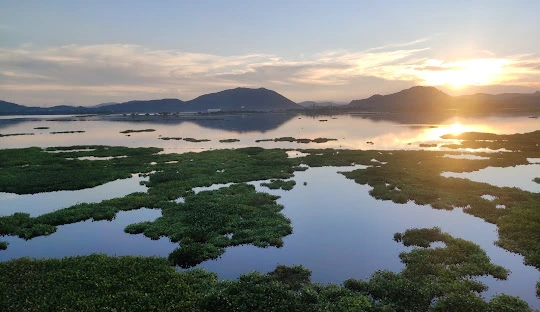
{"x":87,"y":74}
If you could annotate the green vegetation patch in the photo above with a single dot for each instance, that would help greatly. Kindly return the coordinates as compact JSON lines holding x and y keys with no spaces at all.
{"x":229,"y":141}
{"x":537,"y":180}
{"x":279,"y":184}
{"x":14,"y":134}
{"x":3,"y":245}
{"x":208,"y":222}
{"x":66,"y":132}
{"x":33,"y":170}
{"x":137,"y":131}
{"x":41,"y":128}
{"x":438,"y":279}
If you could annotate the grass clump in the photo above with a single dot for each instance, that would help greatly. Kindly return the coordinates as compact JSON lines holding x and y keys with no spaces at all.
{"x":41,"y":128}
{"x":3,"y":245}
{"x":279,"y":184}
{"x":229,"y":141}
{"x":537,"y":180}
{"x":137,"y":131}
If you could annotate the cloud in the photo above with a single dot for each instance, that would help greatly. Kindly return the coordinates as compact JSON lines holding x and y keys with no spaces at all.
{"x":88,"y":74}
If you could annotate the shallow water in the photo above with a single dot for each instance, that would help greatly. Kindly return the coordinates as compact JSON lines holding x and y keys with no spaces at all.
{"x":520,"y":176}
{"x":40,"y":203}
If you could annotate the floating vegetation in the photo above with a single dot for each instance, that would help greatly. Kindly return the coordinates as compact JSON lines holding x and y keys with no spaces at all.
{"x":170,"y":138}
{"x":3,"y":245}
{"x":195,"y":140}
{"x":370,"y":143}
{"x":64,"y":132}
{"x":229,"y":141}
{"x":137,"y":131}
{"x":291,"y":139}
{"x":14,"y":134}
{"x":41,"y":128}
{"x":427,"y":145}
{"x":439,"y":279}
{"x":537,"y":180}
{"x":279,"y":184}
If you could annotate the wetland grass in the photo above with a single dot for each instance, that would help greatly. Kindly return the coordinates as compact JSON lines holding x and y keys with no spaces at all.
{"x":193,"y":140}
{"x":3,"y":245}
{"x":229,"y":141}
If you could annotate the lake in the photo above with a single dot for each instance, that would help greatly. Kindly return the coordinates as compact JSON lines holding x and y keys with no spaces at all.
{"x":339,"y":230}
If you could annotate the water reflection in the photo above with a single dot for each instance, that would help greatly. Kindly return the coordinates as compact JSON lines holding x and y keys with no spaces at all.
{"x":351,"y":131}
{"x":520,"y":176}
{"x":40,"y":203}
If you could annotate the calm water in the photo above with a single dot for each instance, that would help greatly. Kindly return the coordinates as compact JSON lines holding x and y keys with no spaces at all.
{"x":339,"y":231}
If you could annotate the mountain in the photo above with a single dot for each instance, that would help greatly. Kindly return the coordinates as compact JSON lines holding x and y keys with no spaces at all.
{"x":314,"y":104}
{"x":12,"y":108}
{"x":242,"y":99}
{"x":413,"y":99}
{"x":431,"y":99}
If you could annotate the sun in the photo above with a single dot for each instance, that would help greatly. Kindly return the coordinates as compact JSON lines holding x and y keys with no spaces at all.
{"x":474,"y":72}
{"x":457,"y":129}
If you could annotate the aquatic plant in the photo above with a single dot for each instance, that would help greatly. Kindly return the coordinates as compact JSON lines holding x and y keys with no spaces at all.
{"x":537,"y":180}
{"x":41,"y":128}
{"x":279,"y":184}
{"x":137,"y":131}
{"x":229,"y":141}
{"x":3,"y":245}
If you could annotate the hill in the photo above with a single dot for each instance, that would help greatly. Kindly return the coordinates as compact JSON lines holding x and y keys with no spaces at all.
{"x":242,"y":99}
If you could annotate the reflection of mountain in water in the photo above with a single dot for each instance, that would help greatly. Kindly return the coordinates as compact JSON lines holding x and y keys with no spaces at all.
{"x":255,"y":122}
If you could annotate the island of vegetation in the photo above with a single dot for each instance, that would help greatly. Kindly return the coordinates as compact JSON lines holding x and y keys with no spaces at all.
{"x":41,"y":128}
{"x":3,"y":245}
{"x":279,"y":184}
{"x":291,"y":139}
{"x":14,"y":134}
{"x":229,"y":140}
{"x":137,"y":131}
{"x":64,"y":132}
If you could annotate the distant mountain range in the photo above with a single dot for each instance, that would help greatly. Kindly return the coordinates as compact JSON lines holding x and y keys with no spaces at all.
{"x":415,"y":99}
{"x":431,"y":99}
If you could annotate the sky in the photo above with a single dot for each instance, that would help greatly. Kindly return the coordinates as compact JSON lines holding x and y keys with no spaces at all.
{"x":89,"y":52}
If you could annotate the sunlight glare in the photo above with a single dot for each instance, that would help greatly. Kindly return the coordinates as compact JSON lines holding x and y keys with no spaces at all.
{"x":466,"y":73}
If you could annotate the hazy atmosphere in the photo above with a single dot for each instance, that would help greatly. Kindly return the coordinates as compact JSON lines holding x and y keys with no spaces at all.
{"x":86,"y":53}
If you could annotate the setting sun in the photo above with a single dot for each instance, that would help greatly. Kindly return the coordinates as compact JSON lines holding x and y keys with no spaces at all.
{"x":465,"y":73}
